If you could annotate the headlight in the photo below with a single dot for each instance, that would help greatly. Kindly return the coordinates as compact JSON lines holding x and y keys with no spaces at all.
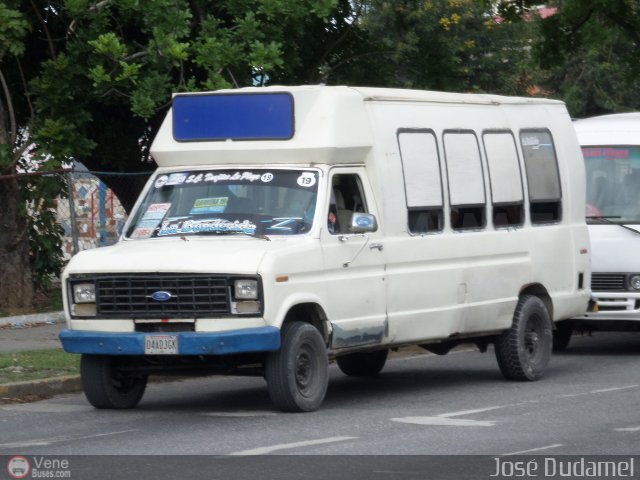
{"x":84,"y":293}
{"x":246,"y":289}
{"x":634,"y":282}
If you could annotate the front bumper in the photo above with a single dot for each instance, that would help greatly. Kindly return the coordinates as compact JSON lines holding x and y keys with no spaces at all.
{"x":614,"y":306}
{"x":262,"y":339}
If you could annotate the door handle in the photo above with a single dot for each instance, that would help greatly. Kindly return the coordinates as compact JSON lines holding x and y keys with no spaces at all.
{"x":376,"y":246}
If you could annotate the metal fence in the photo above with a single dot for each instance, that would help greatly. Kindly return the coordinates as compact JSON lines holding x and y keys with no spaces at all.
{"x":96,"y":208}
{"x":92,"y":207}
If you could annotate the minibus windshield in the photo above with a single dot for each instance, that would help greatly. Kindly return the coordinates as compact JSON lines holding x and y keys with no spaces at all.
{"x":243,"y":201}
{"x":613,"y":184}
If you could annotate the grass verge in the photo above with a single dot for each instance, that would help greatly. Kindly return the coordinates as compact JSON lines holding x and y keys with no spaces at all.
{"x":37,"y":365}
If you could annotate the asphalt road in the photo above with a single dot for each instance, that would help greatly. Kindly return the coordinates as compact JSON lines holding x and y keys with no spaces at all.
{"x":457,"y":404}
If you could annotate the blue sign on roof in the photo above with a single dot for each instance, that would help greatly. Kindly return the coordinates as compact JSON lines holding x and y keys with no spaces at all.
{"x":233,"y":116}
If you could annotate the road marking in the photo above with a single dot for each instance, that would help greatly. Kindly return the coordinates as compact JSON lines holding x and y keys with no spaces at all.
{"x":442,"y":421}
{"x":628,"y":429}
{"x":615,"y":389}
{"x":287,"y":446}
{"x":478,"y":410}
{"x":604,"y":390}
{"x":445,"y":420}
{"x":249,"y":413}
{"x":548,"y":447}
{"x":43,"y":442}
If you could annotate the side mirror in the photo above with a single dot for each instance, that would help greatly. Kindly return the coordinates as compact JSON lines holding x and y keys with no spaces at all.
{"x":363,"y":223}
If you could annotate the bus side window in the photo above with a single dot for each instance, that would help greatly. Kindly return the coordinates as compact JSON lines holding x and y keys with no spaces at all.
{"x":543,"y":178}
{"x":422,"y":180}
{"x":505,"y":178}
{"x":466,"y":181}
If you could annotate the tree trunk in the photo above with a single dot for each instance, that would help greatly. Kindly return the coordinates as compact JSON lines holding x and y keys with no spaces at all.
{"x":16,"y":284}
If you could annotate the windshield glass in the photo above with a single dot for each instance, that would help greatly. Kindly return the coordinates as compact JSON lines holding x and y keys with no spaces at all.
{"x":613,"y":183}
{"x":205,"y":202}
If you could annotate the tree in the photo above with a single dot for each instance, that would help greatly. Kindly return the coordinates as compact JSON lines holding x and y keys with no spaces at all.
{"x":91,"y":80}
{"x":590,"y":57}
{"x":454,"y":45}
{"x":16,"y":284}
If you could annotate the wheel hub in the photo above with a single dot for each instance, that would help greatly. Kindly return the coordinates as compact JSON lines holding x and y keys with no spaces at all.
{"x":304,"y":369}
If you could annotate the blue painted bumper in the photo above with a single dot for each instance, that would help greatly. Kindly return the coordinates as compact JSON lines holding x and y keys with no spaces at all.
{"x":260,"y":339}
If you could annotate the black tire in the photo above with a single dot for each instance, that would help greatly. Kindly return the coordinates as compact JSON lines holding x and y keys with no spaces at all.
{"x":298,"y":374}
{"x":524,"y":350}
{"x":107,"y":387}
{"x":362,"y":364}
{"x":562,"y":336}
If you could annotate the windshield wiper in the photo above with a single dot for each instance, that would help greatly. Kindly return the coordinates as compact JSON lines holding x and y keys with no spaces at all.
{"x":607,"y":219}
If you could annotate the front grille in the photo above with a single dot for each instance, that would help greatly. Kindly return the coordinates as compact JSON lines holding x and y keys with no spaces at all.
{"x":608,"y":282}
{"x":191,"y":296}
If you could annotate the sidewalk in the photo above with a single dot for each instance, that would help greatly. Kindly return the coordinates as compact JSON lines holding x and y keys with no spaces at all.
{"x":30,"y":332}
{"x":34,"y":332}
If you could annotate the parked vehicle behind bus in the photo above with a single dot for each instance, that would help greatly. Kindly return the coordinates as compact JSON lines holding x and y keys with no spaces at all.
{"x":611,"y":149}
{"x":289,"y":225}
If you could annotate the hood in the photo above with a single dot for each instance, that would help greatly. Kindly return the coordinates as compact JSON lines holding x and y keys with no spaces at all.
{"x":241,"y":255}
{"x":614,"y":248}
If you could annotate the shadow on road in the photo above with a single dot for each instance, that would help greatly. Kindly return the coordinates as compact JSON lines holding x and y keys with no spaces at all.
{"x":603,"y":343}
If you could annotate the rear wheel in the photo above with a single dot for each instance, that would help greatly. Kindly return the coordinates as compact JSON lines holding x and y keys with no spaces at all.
{"x":297,"y":375}
{"x":523,"y":352}
{"x":362,"y":364}
{"x":105,"y":386}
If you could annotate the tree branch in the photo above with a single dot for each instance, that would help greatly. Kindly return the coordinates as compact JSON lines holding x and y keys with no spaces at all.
{"x":342,"y":36}
{"x":52,"y":50}
{"x":624,"y":24}
{"x":233,"y":78}
{"x":581,"y":23}
{"x":13,"y":131}
{"x":133,"y":56}
{"x":26,"y":89}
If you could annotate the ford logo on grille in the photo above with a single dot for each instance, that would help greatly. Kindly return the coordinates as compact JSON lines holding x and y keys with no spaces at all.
{"x":161,"y":296}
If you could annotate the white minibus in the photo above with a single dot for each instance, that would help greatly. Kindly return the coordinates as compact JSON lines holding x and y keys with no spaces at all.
{"x":288,"y":226}
{"x":611,"y":150}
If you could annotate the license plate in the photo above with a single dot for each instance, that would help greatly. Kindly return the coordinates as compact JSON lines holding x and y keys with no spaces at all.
{"x":161,"y":345}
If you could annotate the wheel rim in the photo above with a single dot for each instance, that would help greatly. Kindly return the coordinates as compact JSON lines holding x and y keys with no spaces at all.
{"x":533,"y":338}
{"x":122,"y":382}
{"x":305,"y":370}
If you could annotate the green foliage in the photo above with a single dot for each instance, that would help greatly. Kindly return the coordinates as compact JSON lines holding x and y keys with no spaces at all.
{"x":13,"y":29}
{"x":91,"y":80}
{"x":44,"y":232}
{"x":451,"y":45}
{"x":589,"y":56}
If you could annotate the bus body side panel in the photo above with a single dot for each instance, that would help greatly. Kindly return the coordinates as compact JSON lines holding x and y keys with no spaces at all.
{"x":450,"y":283}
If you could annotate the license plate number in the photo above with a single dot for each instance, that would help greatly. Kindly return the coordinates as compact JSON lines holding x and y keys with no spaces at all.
{"x":161,"y":345}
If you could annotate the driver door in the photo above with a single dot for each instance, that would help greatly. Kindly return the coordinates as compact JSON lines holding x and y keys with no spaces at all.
{"x":353,"y":263}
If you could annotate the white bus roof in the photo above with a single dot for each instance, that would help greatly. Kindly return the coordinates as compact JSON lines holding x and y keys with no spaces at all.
{"x":302,"y":124}
{"x":611,"y":130}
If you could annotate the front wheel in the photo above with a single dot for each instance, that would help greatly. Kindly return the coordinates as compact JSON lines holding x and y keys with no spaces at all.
{"x":298,"y":374}
{"x":523,"y":352}
{"x":105,"y":386}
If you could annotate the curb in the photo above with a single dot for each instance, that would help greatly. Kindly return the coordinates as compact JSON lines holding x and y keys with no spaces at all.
{"x":21,"y":321}
{"x":39,"y":388}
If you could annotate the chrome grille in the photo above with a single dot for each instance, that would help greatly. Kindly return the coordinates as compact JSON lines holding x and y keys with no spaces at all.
{"x":191,"y":296}
{"x":608,"y":282}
